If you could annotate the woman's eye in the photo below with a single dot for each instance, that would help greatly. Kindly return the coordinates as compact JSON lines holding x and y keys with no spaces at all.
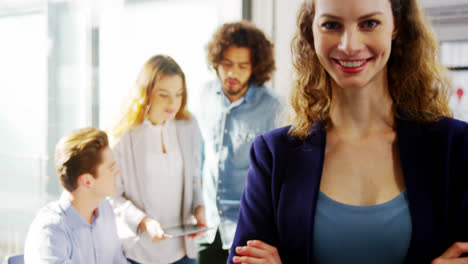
{"x":163,"y":95}
{"x":370,"y":24}
{"x":179,"y":95}
{"x":331,"y":25}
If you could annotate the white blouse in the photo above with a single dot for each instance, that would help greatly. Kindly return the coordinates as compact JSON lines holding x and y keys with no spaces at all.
{"x":163,"y":186}
{"x":163,"y":183}
{"x":164,"y":173}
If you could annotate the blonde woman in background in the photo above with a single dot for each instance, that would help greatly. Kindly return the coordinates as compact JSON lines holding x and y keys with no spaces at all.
{"x":158,"y":150}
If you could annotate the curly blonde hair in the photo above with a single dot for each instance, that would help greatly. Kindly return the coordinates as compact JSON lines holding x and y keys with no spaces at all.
{"x":137,"y":103}
{"x":418,"y":83}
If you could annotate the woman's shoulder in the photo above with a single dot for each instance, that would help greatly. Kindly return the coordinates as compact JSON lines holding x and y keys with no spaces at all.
{"x":191,"y":121}
{"x":280,"y":139}
{"x":449,"y":127}
{"x":449,"y":132}
{"x":132,"y":133}
{"x":451,"y":124}
{"x":278,"y":135}
{"x":283,"y":135}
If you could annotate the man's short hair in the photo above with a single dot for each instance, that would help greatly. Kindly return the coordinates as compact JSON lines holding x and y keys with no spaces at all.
{"x":244,"y":34}
{"x":79,"y":152}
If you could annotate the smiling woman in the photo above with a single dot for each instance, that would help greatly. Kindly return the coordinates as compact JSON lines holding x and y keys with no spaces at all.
{"x":372,"y":169}
{"x":354,"y":46}
{"x":411,"y":75}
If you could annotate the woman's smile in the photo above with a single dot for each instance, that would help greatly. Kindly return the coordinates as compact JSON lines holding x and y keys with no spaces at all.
{"x":352,"y":66}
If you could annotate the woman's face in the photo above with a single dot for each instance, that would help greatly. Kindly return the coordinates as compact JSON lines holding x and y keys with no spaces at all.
{"x":352,"y":39}
{"x":166,"y":99}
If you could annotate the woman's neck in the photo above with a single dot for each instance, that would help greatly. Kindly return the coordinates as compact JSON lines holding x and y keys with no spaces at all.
{"x":156,"y":122}
{"x":357,"y":112}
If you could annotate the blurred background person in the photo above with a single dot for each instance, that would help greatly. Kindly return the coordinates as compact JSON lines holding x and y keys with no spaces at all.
{"x":159,"y":152}
{"x":237,"y":106}
{"x":80,"y":226}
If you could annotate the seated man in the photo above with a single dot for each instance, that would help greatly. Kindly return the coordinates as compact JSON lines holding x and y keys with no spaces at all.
{"x":80,"y":226}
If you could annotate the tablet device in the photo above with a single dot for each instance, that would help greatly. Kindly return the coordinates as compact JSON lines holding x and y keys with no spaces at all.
{"x":183,"y":230}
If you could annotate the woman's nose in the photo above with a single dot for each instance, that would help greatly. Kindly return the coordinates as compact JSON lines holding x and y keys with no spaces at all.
{"x":350,"y":42}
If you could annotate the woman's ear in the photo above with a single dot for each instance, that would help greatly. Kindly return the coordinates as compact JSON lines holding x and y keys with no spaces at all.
{"x":395,"y":29}
{"x":394,"y":33}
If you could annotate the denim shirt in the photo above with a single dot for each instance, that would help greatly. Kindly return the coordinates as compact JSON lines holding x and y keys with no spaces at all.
{"x":228,"y":130}
{"x":59,"y":234}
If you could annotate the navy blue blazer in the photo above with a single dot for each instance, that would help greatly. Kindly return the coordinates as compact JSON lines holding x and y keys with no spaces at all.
{"x":279,"y":200}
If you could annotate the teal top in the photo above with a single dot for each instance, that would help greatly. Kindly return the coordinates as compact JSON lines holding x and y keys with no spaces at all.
{"x":361,"y":234}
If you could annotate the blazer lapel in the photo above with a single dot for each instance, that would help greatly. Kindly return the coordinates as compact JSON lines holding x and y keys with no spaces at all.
{"x":412,"y":156}
{"x":307,"y":161}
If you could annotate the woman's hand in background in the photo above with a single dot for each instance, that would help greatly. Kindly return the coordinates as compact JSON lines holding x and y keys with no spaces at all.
{"x":200,"y":215}
{"x":201,"y":220}
{"x":453,"y":254}
{"x":257,"y":251}
{"x":153,"y":228}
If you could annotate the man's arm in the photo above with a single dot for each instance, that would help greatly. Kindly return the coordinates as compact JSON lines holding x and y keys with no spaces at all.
{"x":47,"y":244}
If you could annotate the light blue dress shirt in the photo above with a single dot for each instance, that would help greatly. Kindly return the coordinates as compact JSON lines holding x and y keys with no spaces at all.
{"x":59,"y":234}
{"x":228,"y":131}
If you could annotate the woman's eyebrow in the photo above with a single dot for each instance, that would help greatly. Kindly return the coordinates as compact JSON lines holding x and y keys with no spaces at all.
{"x":360,"y":18}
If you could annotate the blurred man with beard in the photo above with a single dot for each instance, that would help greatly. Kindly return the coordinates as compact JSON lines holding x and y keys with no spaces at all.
{"x":236,"y":107}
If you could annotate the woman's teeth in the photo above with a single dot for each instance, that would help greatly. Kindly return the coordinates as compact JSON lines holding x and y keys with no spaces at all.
{"x":351,"y":64}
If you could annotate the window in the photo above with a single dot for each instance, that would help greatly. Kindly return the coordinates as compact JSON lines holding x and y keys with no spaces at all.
{"x":455,"y":56}
{"x":23,"y":155}
{"x":130,"y":36}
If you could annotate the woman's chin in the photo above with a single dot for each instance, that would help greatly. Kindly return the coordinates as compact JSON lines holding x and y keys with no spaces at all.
{"x":351,"y":84}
